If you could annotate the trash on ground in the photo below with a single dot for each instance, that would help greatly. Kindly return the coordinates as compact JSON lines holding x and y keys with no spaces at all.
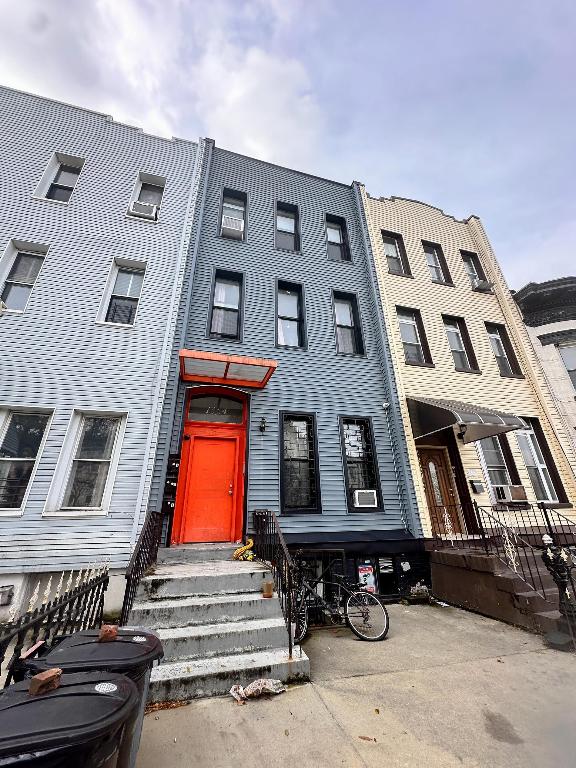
{"x":257,"y":688}
{"x":164,"y":705}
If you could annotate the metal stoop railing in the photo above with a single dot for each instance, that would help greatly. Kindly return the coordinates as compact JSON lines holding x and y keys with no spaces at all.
{"x":270,"y":547}
{"x":143,"y":557}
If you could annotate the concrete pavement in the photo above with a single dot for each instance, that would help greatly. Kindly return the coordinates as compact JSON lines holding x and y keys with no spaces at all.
{"x":446,"y":688}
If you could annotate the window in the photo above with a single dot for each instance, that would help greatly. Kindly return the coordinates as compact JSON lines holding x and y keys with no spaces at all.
{"x":64,"y":180}
{"x":536,"y":465}
{"x":416,"y":350}
{"x":501,"y":469}
{"x":290,"y":315}
{"x":287,"y":233}
{"x":337,"y":239}
{"x":460,"y":344}
{"x":226,"y":304}
{"x":147,"y":196}
{"x":215,"y":408}
{"x":395,"y":253}
{"x":503,"y":351}
{"x":348,"y":326}
{"x":436,"y":263}
{"x":361,"y":471}
{"x":233,"y":223}
{"x":299,"y":467}
{"x":150,"y":194}
{"x":20,"y":442}
{"x":91,"y":462}
{"x":474,"y":271}
{"x":568,"y":355}
{"x":20,"y":280}
{"x":125,"y":295}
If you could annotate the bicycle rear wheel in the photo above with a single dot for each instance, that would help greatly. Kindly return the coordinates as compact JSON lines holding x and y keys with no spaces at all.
{"x":300,"y":617}
{"x":366,"y":616}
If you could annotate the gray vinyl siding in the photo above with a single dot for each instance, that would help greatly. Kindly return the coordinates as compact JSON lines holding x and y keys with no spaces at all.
{"x":315,"y":379}
{"x":55,"y":355}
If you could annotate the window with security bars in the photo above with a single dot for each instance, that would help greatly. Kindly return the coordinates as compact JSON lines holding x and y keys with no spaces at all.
{"x":21,"y":278}
{"x":337,"y":239}
{"x":226,"y":305}
{"x":360,"y":459}
{"x":125,"y":295}
{"x":20,"y":442}
{"x":348,"y":328}
{"x":395,"y":254}
{"x":299,"y":481}
{"x":91,"y":462}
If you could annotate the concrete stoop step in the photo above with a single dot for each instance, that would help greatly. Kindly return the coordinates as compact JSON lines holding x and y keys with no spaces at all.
{"x":215,"y":626}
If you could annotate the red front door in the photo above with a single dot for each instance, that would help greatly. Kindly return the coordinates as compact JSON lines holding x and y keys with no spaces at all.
{"x":210,"y":493}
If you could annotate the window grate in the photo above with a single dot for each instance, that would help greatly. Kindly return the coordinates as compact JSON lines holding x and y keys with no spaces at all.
{"x":361,"y":471}
{"x":299,"y":463}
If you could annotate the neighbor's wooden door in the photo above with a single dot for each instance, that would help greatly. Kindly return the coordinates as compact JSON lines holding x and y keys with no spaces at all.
{"x":440,"y":491}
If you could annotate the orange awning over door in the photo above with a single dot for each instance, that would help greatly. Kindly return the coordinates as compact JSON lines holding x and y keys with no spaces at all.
{"x":235,"y":370}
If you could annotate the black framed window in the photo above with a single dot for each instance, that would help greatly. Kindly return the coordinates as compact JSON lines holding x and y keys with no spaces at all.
{"x":474,"y":271}
{"x":361,"y":470}
{"x":337,"y":239}
{"x":233,"y":219}
{"x":460,"y":344}
{"x":125,"y":296}
{"x":436,"y":263}
{"x":395,"y":252}
{"x":503,"y":351}
{"x":300,"y":486}
{"x":290,"y":325}
{"x":540,"y":462}
{"x":225,"y":316}
{"x":348,"y":327}
{"x":413,"y":335}
{"x":20,"y":281}
{"x":63,"y":182}
{"x":287,"y":227}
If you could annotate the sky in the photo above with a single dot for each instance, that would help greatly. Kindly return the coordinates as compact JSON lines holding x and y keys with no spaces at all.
{"x":464,"y":104}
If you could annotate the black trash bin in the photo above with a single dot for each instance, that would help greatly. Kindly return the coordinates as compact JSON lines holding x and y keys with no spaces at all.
{"x":81,"y":723}
{"x":132,"y":653}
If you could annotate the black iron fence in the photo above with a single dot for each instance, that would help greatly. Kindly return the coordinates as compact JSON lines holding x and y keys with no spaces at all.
{"x":75,"y":605}
{"x":270,"y":547}
{"x":143,"y":557}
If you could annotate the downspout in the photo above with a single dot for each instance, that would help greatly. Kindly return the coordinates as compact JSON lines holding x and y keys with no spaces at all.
{"x":400,"y":456}
{"x":163,"y":376}
{"x":181,"y":331}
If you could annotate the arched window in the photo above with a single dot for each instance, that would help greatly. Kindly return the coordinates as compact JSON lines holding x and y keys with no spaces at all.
{"x":215,"y":408}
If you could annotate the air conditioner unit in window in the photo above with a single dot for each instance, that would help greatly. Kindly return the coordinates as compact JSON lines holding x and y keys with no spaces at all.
{"x":510,"y":492}
{"x":144,"y":210}
{"x":482,"y":285}
{"x":365,"y":499}
{"x":233,"y":227}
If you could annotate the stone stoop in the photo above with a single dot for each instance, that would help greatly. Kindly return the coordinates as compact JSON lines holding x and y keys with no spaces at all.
{"x":216,"y":628}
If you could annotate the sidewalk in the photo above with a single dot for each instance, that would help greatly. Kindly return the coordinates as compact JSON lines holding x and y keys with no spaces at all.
{"x":446,"y":688}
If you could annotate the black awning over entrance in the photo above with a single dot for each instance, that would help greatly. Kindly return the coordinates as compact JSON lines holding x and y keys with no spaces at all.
{"x":429,"y":415}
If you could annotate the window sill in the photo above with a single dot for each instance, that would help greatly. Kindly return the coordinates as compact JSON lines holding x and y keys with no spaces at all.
{"x":297,"y":512}
{"x":512,"y":376}
{"x":361,"y":355}
{"x":231,"y":239}
{"x":441,"y":282}
{"x":364,"y":510}
{"x":297,"y":251}
{"x":420,"y":365}
{"x":12,"y":312}
{"x":49,"y":200}
{"x":487,"y":291}
{"x":217,"y":337}
{"x":337,"y":261}
{"x":88,"y":512}
{"x":477,"y":371}
{"x":126,"y":326}
{"x":7,"y":512}
{"x":133,"y":217}
{"x":401,"y":274}
{"x":285,"y":346}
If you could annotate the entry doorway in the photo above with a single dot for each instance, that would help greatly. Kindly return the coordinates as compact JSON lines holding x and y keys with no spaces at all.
{"x":440,"y":488}
{"x":210,"y":491}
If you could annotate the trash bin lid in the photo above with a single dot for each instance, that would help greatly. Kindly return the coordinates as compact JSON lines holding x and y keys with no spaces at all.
{"x":86,"y":706}
{"x":81,"y":652}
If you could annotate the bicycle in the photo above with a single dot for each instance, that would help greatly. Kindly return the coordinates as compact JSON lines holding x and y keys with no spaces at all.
{"x":363,"y":612}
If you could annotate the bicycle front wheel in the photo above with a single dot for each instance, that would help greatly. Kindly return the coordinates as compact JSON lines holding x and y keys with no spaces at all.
{"x":366,"y":616}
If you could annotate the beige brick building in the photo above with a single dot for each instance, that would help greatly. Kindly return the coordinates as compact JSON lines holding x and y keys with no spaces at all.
{"x":480,"y":419}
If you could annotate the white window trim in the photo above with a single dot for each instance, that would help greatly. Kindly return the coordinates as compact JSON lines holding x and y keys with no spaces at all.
{"x":7,"y":259}
{"x":537,"y":465}
{"x":53,"y":504}
{"x":146,"y":178}
{"x":414,"y":323}
{"x":57,"y":159}
{"x":119,"y":263}
{"x":5,"y":411}
{"x":487,"y":481}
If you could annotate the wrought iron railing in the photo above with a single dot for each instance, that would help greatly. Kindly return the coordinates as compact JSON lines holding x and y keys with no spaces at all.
{"x":74,"y":606}
{"x":143,"y":557}
{"x":270,"y":547}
